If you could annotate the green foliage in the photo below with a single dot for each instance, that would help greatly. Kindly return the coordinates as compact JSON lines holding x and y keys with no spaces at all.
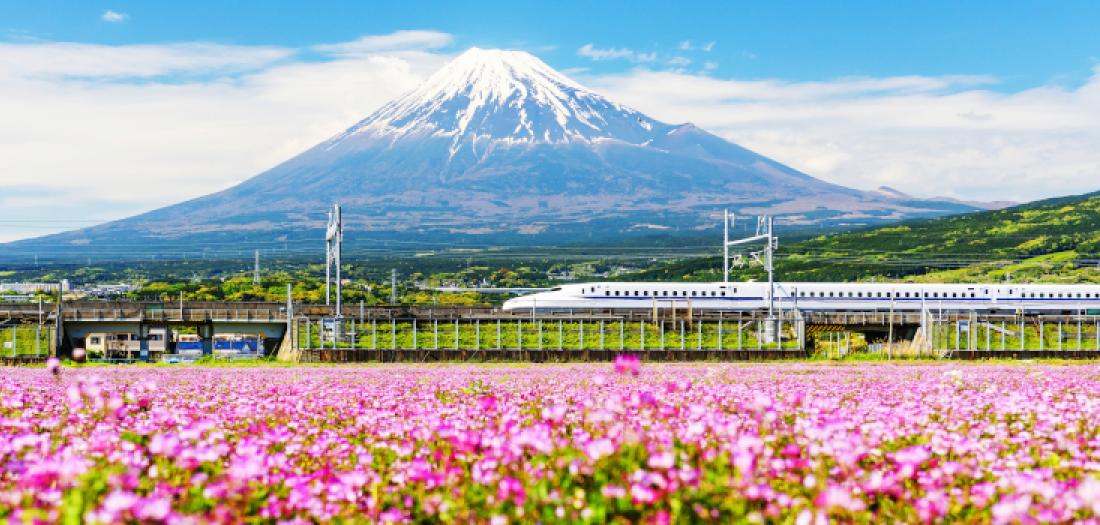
{"x":1055,"y":240}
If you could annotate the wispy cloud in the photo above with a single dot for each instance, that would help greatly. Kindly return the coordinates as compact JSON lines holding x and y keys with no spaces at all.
{"x":611,"y":53}
{"x":113,"y":17}
{"x":399,"y":40}
{"x":66,"y":59}
{"x":687,"y":45}
{"x":923,"y":135}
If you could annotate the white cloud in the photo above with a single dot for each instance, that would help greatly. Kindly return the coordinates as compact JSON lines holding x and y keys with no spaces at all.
{"x":115,"y":130}
{"x":399,"y":40}
{"x":102,"y":129}
{"x":678,"y":61}
{"x":686,"y":45}
{"x":113,"y":17}
{"x":594,"y":53}
{"x":22,"y":61}
{"x":923,"y":135}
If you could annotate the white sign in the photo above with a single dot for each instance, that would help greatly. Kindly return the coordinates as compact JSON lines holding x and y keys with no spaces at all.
{"x":7,"y":345}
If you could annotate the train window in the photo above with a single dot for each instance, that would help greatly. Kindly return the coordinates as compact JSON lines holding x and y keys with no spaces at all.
{"x":723,"y":293}
{"x":713,"y":293}
{"x":830,"y":294}
{"x":666,"y":293}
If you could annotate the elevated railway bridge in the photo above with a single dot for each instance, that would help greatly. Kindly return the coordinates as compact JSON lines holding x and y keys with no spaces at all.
{"x":313,"y":333}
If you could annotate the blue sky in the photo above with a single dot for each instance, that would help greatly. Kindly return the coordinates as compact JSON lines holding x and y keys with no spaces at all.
{"x":1022,"y":43}
{"x":124,"y":106}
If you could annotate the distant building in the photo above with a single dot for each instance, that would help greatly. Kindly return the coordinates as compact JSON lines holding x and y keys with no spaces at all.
{"x":562,"y":275}
{"x":32,"y":288}
{"x":104,"y":291}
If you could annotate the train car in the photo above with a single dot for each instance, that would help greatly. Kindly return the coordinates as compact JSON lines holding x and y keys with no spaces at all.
{"x":747,"y":296}
{"x":125,"y":345}
{"x":233,"y":345}
{"x":188,"y":345}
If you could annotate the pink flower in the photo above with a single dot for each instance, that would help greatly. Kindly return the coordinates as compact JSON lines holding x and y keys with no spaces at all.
{"x":628,"y":364}
{"x":836,"y":496}
{"x":510,"y":488}
{"x":662,"y":460}
{"x":53,"y":366}
{"x":487,"y":403}
{"x":599,"y":448}
{"x":640,"y":493}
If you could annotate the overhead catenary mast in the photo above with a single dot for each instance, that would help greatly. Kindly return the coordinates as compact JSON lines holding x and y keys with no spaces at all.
{"x":334,"y":249}
{"x":764,"y":232}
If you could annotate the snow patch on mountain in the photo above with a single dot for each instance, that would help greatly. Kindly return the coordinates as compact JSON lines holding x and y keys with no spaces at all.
{"x":500,"y":95}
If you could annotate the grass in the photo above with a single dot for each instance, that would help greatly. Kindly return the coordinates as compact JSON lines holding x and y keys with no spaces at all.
{"x":551,"y":335}
{"x":23,"y":339}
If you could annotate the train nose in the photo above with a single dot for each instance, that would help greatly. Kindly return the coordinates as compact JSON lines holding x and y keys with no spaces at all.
{"x":517,"y":304}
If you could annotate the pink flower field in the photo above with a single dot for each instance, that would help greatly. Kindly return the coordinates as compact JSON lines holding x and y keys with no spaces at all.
{"x":627,"y":442}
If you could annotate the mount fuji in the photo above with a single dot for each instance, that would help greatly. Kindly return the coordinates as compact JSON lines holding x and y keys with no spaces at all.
{"x":499,"y":148}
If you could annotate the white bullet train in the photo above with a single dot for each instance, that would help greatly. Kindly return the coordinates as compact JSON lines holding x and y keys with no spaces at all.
{"x":1084,"y":298}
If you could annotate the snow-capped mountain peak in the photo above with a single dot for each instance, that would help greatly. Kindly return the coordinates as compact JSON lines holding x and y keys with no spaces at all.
{"x":495,"y":95}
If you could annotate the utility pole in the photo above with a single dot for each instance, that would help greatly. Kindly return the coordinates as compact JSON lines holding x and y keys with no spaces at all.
{"x":38,"y":329}
{"x":59,"y":338}
{"x":290,"y":316}
{"x":726,"y":246}
{"x":328,"y":261}
{"x":393,"y":286}
{"x":256,"y":270}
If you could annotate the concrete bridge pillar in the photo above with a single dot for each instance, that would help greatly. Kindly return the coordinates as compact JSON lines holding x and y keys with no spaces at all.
{"x":206,"y":333}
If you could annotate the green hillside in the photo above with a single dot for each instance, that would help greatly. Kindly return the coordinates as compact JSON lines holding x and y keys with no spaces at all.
{"x":1054,"y":240}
